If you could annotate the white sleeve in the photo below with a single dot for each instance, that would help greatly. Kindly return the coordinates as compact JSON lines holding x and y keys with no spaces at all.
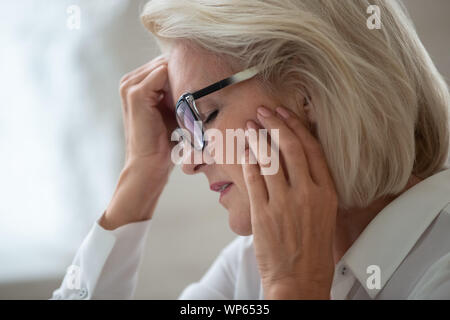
{"x":435,"y":283}
{"x":219,"y":281}
{"x":106,"y":264}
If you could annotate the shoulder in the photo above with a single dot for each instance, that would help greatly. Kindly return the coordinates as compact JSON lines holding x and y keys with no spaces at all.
{"x":224,"y":275}
{"x":435,"y":282}
{"x":240,"y":246}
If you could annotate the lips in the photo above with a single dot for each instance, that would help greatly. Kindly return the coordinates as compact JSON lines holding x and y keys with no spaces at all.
{"x":220,"y":186}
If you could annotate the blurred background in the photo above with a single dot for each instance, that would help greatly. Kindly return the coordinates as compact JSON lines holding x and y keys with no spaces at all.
{"x":61,"y":144}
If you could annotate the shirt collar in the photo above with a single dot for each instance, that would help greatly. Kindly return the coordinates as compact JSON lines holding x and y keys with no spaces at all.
{"x":391,"y":235}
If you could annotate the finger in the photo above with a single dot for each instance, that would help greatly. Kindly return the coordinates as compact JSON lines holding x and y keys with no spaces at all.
{"x":271,"y":170}
{"x":145,"y":66}
{"x":152,"y":85}
{"x":140,"y":76}
{"x":314,"y":153}
{"x":256,"y":187}
{"x":126,"y":86}
{"x":126,"y":83}
{"x":290,"y":146}
{"x":144,"y":97}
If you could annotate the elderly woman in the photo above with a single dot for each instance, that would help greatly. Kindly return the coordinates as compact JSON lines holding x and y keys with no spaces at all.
{"x":360,"y":205}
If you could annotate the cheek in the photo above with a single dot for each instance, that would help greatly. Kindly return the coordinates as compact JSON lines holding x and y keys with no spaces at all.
{"x":234,"y":122}
{"x":232,"y":125}
{"x":236,"y":117}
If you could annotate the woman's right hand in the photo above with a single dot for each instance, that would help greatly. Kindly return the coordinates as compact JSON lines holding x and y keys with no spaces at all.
{"x":148,"y":122}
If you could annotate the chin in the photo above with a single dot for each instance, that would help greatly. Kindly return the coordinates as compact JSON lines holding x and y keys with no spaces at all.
{"x":240,"y":222}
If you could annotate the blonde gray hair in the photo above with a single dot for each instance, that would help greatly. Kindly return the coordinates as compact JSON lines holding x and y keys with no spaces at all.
{"x":381,"y":106}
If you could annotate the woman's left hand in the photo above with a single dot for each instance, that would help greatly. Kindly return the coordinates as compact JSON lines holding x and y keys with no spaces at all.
{"x":293,"y":212}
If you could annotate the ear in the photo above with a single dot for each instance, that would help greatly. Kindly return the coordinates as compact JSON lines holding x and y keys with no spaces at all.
{"x":309,"y":110}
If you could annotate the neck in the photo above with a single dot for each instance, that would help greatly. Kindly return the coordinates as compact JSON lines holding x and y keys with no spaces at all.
{"x":350,"y":223}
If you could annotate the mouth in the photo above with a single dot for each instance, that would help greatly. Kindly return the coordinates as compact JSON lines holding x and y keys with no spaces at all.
{"x":221,"y":187}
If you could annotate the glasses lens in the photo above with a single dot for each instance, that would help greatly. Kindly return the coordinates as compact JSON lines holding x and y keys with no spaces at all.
{"x":187,"y":120}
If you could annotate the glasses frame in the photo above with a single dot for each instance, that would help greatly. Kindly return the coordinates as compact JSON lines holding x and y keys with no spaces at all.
{"x":189,"y":98}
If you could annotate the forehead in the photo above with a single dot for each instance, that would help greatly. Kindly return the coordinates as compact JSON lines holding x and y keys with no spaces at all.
{"x":191,"y":69}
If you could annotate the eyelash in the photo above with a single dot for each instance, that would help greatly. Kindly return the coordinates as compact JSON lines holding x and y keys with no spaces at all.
{"x":212,"y":116}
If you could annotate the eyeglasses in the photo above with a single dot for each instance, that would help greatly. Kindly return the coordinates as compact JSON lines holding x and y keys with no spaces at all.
{"x":188,"y":116}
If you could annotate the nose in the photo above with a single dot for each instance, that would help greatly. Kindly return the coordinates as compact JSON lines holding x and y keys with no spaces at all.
{"x":194,"y":161}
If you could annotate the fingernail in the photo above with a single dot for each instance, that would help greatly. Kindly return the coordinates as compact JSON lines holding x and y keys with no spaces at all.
{"x":252,"y":125}
{"x":264,"y":112}
{"x":283,"y":112}
{"x":258,"y":121}
{"x":261,"y":119}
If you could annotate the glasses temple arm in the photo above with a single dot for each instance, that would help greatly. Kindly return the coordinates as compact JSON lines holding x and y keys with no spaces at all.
{"x":238,"y":77}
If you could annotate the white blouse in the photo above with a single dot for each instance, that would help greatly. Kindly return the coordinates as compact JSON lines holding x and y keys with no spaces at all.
{"x":404,"y":253}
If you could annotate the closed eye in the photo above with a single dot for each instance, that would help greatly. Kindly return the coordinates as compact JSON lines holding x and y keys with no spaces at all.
{"x":212,"y":116}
